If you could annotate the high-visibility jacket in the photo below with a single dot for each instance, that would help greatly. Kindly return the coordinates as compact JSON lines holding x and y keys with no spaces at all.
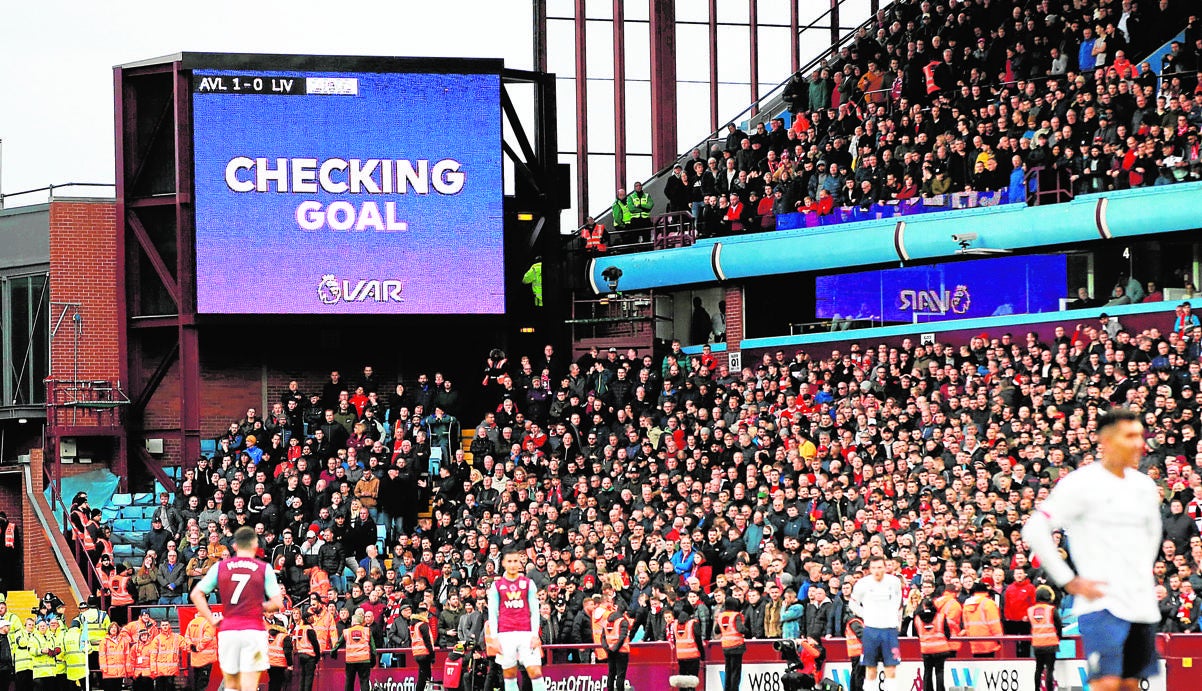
{"x":75,"y":653}
{"x":21,"y":643}
{"x":982,"y":618}
{"x":326,"y":626}
{"x":854,"y":647}
{"x":684,"y":636}
{"x":622,"y":212}
{"x":319,"y":582}
{"x":43,"y":665}
{"x":202,"y":636}
{"x":358,"y":644}
{"x":492,"y":647}
{"x":931,"y":638}
{"x":300,"y":641}
{"x":132,"y":629}
{"x":613,"y":631}
{"x":139,"y":661}
{"x":98,"y":624}
{"x":594,"y":240}
{"x":952,"y":612}
{"x":114,"y":657}
{"x":600,"y":614}
{"x":85,"y":536}
{"x":417,"y":644}
{"x":1043,"y":626}
{"x":275,"y":650}
{"x":640,"y":204}
{"x":727,"y":627}
{"x":60,"y":660}
{"x":119,"y":591}
{"x":165,"y":652}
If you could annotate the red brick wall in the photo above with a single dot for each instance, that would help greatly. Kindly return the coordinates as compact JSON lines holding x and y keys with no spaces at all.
{"x":83,"y":269}
{"x":734,"y":317}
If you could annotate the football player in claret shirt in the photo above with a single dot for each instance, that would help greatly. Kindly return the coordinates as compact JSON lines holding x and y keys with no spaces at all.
{"x":513,"y":614}
{"x":248,"y":589}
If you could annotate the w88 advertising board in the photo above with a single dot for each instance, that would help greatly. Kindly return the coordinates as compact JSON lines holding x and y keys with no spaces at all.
{"x":347,"y":193}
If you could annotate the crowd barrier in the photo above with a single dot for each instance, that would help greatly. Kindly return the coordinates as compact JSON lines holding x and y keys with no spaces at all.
{"x":569,"y":668}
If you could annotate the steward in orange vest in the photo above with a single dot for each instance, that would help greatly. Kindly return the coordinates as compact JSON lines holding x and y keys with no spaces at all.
{"x":201,"y":637}
{"x":596,"y":239}
{"x":421,"y":641}
{"x":360,"y":652}
{"x":732,"y":630}
{"x":932,"y":641}
{"x":852,"y":630}
{"x":982,"y":619}
{"x":307,"y":647}
{"x":138,"y":662}
{"x":617,"y":645}
{"x":1046,"y":629}
{"x":114,"y":659}
{"x":684,"y":636}
{"x":166,"y":651}
{"x":279,"y":656}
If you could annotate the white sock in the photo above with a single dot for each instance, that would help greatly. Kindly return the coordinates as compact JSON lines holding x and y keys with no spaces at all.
{"x":538,"y":684}
{"x":510,"y":684}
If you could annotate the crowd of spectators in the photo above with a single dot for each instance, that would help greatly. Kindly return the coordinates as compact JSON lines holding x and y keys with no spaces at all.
{"x":673,"y":480}
{"x":968,"y":95}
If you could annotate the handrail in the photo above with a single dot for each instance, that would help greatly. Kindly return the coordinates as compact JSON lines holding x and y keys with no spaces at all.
{"x":79,"y":593}
{"x":822,"y":56}
{"x":51,"y":188}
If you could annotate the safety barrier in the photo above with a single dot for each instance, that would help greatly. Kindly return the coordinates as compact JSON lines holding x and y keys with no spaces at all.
{"x":571,"y":668}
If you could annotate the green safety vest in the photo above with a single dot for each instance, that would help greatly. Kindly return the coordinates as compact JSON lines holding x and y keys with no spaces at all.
{"x":642,"y":205}
{"x":98,"y":624}
{"x":60,"y":660}
{"x":43,"y":665}
{"x":622,"y":213}
{"x":21,"y":643}
{"x":75,"y":654}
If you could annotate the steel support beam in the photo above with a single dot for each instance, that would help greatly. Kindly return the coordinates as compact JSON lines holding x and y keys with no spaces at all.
{"x":122,"y":122}
{"x":663,"y":83}
{"x":835,"y":21}
{"x":581,"y":113}
{"x":540,"y":35}
{"x":619,"y":27}
{"x":713,"y":17}
{"x":753,"y":24}
{"x":794,"y":30}
{"x":189,"y":334}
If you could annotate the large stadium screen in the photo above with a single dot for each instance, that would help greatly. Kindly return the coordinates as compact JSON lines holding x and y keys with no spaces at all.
{"x":347,"y":193}
{"x":958,"y":290}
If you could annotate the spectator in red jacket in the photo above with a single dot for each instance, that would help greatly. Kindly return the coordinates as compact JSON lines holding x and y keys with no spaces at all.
{"x":1018,"y":597}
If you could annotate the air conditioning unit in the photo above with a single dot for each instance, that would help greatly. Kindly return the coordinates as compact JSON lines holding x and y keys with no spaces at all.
{"x":67,"y":449}
{"x":154,"y":445}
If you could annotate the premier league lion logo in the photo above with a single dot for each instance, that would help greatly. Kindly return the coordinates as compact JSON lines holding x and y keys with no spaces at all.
{"x":328,"y":291}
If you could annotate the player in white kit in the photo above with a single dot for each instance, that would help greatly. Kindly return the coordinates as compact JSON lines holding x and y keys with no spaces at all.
{"x":877,"y":599}
{"x":1111,"y":514}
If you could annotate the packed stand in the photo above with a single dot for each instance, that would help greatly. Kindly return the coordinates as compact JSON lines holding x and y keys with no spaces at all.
{"x":945,"y":98}
{"x":675,"y":484}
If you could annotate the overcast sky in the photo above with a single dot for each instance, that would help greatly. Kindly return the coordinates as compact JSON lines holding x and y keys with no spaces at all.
{"x":56,"y":59}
